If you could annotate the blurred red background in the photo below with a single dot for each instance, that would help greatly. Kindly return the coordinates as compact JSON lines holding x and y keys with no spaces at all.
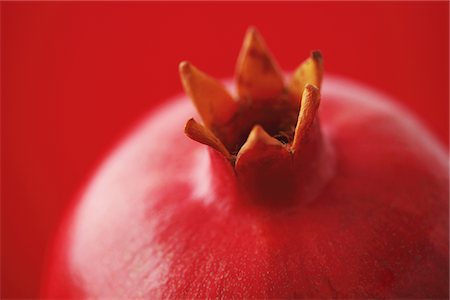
{"x":76,"y":77}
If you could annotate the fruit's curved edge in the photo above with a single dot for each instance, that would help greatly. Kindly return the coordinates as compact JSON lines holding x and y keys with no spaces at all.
{"x":332,"y":85}
{"x":357,"y":91}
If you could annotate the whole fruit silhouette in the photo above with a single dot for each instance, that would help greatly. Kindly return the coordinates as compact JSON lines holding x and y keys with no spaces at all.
{"x":279,"y":204}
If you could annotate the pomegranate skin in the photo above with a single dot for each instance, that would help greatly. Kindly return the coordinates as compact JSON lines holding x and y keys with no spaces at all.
{"x":162,"y":218}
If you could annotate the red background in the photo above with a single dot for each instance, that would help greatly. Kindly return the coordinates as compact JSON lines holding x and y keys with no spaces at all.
{"x":77,"y":76}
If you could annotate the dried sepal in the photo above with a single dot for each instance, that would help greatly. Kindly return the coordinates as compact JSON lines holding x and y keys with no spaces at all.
{"x":213,"y":102}
{"x":259,"y":146}
{"x":258,"y":75}
{"x":203,"y":135}
{"x":307,"y":116}
{"x":310,"y":71}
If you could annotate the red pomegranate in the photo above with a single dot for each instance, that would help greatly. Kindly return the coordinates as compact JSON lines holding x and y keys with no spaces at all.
{"x":278,"y":205}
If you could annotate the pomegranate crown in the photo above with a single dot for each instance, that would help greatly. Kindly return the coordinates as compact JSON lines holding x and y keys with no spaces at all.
{"x":267,"y":118}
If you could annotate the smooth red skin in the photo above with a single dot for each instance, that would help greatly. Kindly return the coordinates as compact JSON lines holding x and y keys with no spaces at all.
{"x":154,"y":223}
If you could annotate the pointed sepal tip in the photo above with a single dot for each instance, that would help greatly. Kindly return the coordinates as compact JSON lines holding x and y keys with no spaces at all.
{"x":310,"y":71}
{"x":257,"y":73}
{"x":213,"y":102}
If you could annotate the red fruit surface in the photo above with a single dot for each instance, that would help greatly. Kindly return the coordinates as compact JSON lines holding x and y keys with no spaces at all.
{"x":162,"y":218}
{"x":77,"y":75}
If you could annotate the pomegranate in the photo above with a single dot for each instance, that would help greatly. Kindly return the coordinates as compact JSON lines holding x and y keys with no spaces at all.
{"x":279,"y":204}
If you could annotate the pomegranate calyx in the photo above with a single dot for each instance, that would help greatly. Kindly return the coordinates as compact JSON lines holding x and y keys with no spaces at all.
{"x":258,"y":76}
{"x":267,"y":120}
